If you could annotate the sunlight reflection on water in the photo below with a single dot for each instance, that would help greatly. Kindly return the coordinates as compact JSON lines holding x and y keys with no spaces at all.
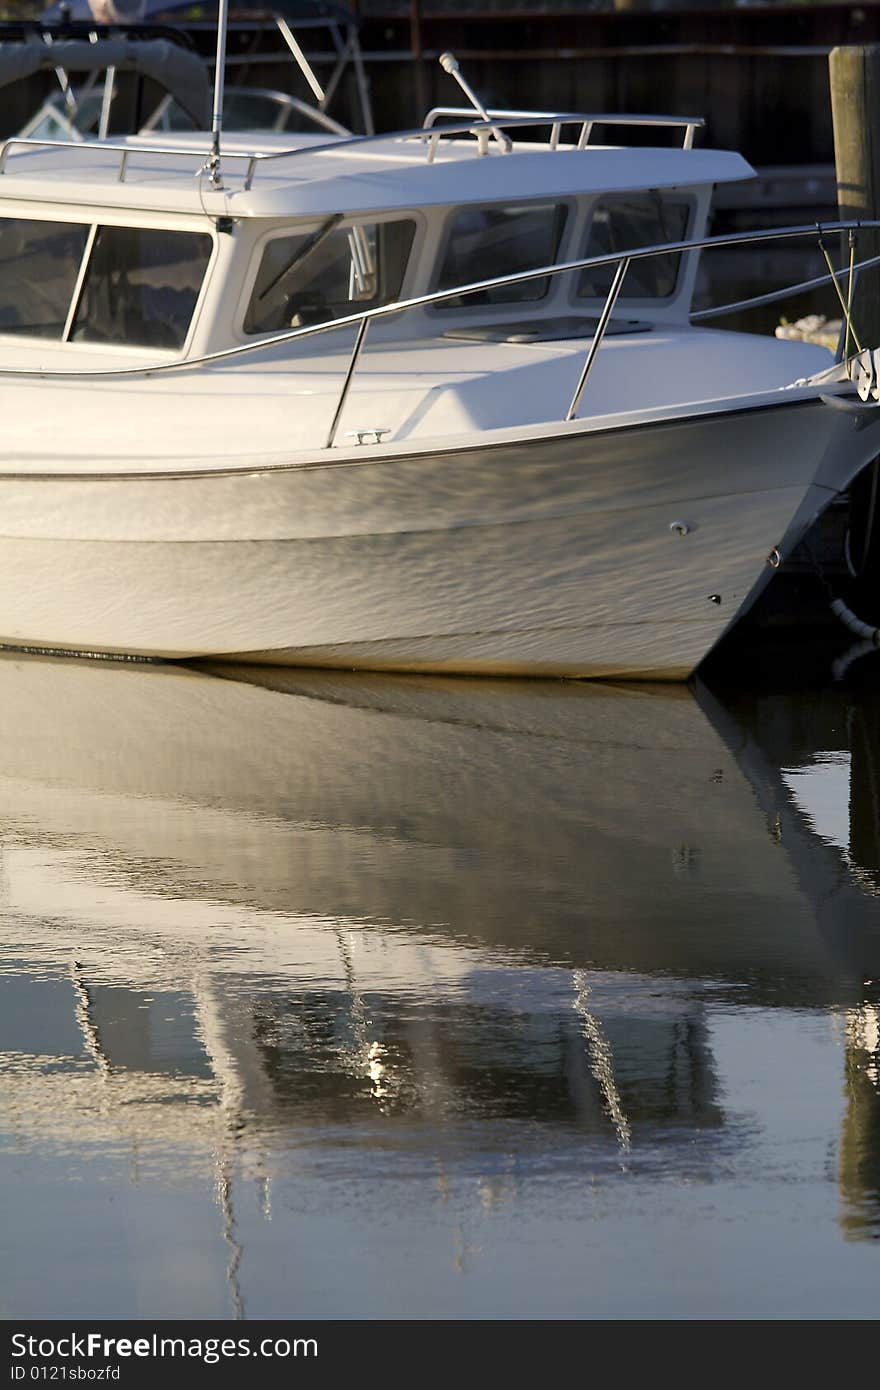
{"x":324,"y":995}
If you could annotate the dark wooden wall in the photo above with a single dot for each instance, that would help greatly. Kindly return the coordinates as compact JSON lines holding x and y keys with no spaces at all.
{"x":759,"y":74}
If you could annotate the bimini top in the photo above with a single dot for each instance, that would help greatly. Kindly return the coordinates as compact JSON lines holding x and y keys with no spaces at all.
{"x":179,"y":71}
{"x":284,"y":176}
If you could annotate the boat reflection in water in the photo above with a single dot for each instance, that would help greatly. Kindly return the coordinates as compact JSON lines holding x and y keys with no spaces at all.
{"x":336,"y":948}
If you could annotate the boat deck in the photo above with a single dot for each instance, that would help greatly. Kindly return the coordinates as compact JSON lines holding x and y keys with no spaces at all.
{"x":423,"y":390}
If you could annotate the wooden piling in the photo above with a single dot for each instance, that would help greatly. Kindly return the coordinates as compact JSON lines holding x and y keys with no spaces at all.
{"x":855,"y":108}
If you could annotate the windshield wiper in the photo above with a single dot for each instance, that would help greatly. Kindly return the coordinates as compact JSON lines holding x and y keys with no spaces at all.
{"x":304,"y":251}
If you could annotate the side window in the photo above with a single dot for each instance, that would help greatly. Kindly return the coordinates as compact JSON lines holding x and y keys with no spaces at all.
{"x":624,"y":223}
{"x":39,"y":263}
{"x":141,"y":286}
{"x":325,"y":274}
{"x":490,"y":241}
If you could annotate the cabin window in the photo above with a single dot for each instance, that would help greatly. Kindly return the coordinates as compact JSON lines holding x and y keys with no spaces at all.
{"x":39,"y":263}
{"x":628,"y":221}
{"x":141,"y":286}
{"x":324,"y":274}
{"x":487,"y":242}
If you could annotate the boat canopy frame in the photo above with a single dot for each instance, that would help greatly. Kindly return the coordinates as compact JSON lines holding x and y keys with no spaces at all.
{"x":191,"y":21}
{"x":178,"y":70}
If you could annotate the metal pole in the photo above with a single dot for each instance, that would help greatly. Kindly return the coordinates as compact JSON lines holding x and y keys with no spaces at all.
{"x":217,"y":113}
{"x":343,"y":395}
{"x":305,"y":66}
{"x":850,"y":286}
{"x":106,"y":103}
{"x":850,"y":330}
{"x":608,"y":309}
{"x":449,"y":63}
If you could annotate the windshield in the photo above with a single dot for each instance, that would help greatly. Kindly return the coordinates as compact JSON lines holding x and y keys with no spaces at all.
{"x":624,"y":223}
{"x":331,"y":271}
{"x":487,"y":242}
{"x":140,"y":284}
{"x":39,"y":263}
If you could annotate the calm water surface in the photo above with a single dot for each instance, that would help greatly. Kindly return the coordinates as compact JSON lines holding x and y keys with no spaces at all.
{"x":329,"y":996}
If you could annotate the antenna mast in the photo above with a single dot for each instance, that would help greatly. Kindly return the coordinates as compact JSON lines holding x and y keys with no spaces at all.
{"x":217,"y":113}
{"x":449,"y":63}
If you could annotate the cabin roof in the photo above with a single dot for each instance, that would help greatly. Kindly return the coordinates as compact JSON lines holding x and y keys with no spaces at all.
{"x":321,"y":175}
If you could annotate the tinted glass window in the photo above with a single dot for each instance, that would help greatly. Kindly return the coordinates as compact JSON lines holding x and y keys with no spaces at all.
{"x":141,"y":287}
{"x":487,"y":242}
{"x":39,"y":263}
{"x":627,"y":222}
{"x":327,"y":273}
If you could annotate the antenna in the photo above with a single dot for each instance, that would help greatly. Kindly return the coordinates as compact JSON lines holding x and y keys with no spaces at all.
{"x":449,"y":63}
{"x":213,"y":164}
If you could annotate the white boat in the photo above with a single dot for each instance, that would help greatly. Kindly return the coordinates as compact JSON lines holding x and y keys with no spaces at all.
{"x":537,"y":464}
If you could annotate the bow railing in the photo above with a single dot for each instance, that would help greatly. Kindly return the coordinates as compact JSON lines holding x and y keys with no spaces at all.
{"x":618,"y":261}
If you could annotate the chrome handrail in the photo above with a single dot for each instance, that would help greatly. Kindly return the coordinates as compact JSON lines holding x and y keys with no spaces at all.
{"x":476,"y":126}
{"x":361,"y":320}
{"x":556,"y":119}
{"x":102,"y":147}
{"x":774,"y":296}
{"x":438,"y":296}
{"x":428,"y":135}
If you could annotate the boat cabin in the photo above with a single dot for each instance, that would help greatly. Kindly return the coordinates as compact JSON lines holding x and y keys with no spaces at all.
{"x":130,"y":254}
{"x":153,"y":259}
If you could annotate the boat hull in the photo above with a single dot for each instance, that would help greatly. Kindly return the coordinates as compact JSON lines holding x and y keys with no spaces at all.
{"x":615,"y":552}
